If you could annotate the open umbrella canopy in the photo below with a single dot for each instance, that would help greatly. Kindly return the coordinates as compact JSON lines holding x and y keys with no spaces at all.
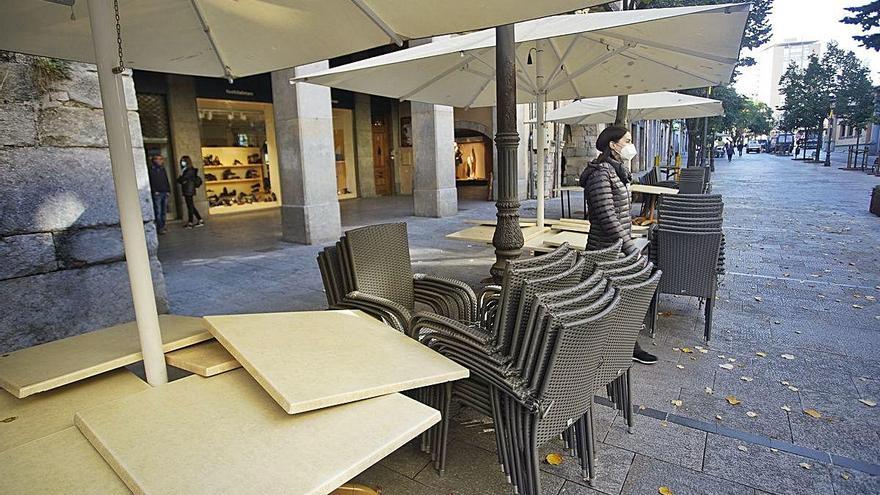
{"x":226,"y":38}
{"x":588,"y":55}
{"x":648,"y":106}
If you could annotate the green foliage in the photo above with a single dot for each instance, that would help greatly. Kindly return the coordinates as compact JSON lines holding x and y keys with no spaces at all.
{"x":756,"y":117}
{"x":868,"y":17}
{"x":47,"y":71}
{"x":809,"y":93}
{"x":853,"y":91}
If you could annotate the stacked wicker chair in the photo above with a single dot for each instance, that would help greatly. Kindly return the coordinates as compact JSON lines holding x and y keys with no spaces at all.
{"x":370,"y":269}
{"x":694,"y":180}
{"x":557,"y":329}
{"x":687,"y":245}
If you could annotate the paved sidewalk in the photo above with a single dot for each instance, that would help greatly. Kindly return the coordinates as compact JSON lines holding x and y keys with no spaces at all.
{"x":797,"y":319}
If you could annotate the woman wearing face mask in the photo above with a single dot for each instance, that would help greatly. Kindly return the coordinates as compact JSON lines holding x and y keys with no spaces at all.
{"x":189,"y":181}
{"x":604,"y":182}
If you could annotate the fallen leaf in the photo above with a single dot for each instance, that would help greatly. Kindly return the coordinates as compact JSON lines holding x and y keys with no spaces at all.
{"x":805,"y":465}
{"x":708,"y":390}
{"x":664,"y":491}
{"x":793,"y":388}
{"x":732,"y":360}
{"x":676,"y":403}
{"x":868,"y":402}
{"x":777,"y":322}
{"x":721,"y":356}
{"x":870,"y":298}
{"x":10,"y":419}
{"x":726,"y":366}
{"x":704,"y":351}
{"x":698,"y":347}
{"x":751,"y":414}
{"x":686,"y":350}
{"x":642,"y":408}
{"x":742,"y":448}
{"x":732,"y":400}
{"x":786,"y":274}
{"x":813,"y":413}
{"x":785,"y":383}
{"x":676,"y":349}
{"x":718,"y":417}
{"x":761,"y":354}
{"x":798,"y":332}
{"x":787,"y":356}
{"x":786,"y":408}
{"x":679,"y":366}
{"x":772,"y":449}
{"x":857,"y":306}
{"x":666,"y":313}
{"x":844,"y":475}
{"x":745,"y":378}
{"x":758,"y":298}
{"x":554,"y":459}
{"x":664,"y":424}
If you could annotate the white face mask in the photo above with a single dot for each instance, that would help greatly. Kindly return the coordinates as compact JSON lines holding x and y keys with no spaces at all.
{"x":628,"y":152}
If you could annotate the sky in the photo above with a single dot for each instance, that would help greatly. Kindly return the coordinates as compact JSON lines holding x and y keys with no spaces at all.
{"x":809,"y":20}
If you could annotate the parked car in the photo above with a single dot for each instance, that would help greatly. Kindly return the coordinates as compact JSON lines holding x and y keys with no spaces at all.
{"x":782,"y":144}
{"x":753,"y":147}
{"x":765,"y":145}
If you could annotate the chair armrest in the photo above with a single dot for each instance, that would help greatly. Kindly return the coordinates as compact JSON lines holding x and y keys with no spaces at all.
{"x":471,"y":333}
{"x":454,"y":288}
{"x":401,"y":316}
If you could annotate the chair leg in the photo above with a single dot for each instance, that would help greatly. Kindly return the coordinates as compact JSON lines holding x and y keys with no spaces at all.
{"x":628,"y":408}
{"x":710,"y":306}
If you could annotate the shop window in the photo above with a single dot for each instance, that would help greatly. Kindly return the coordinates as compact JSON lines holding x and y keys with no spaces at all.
{"x":343,"y":145}
{"x":238,"y":155}
{"x":473,"y":158}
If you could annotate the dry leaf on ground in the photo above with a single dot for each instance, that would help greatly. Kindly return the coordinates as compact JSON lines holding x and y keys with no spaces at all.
{"x":793,"y":388}
{"x":664,"y":424}
{"x":708,"y":390}
{"x":786,"y":408}
{"x":761,"y":354}
{"x":758,"y":298}
{"x":868,"y":402}
{"x":746,"y":378}
{"x":805,"y":465}
{"x":663,"y":490}
{"x":553,"y":459}
{"x":751,"y":414}
{"x":742,"y":448}
{"x":676,"y":403}
{"x":787,"y":356}
{"x":813,"y":413}
{"x":687,"y":350}
{"x":704,"y":351}
{"x":718,"y":417}
{"x":857,"y":306}
{"x":679,"y":366}
{"x":785,"y":383}
{"x":666,"y":313}
{"x":844,"y":475}
{"x":732,"y":400}
{"x":726,"y":366}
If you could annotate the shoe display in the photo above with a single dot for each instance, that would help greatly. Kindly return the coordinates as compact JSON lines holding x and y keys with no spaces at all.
{"x":236,"y":162}
{"x":210,"y":177}
{"x":228,"y":174}
{"x":251,"y":174}
{"x":254,"y":158}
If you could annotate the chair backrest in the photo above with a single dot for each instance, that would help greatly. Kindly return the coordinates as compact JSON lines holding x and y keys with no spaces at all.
{"x":618,"y":262}
{"x":632,"y":278}
{"x":686,"y":223}
{"x":596,"y":256}
{"x":566,"y":391}
{"x":332,"y":288}
{"x":689,"y":261}
{"x":691,"y":186}
{"x":631,"y":268}
{"x":380,"y":264}
{"x":543,"y":260}
{"x":626,"y":323}
{"x":691,"y":212}
{"x":689,"y":199}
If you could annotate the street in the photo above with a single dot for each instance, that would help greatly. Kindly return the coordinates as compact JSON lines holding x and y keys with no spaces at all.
{"x":796,"y":328}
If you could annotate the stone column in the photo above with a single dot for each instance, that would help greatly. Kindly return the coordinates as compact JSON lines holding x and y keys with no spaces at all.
{"x":434,"y":192}
{"x":183,"y":120}
{"x":306,"y":160}
{"x":363,"y":137}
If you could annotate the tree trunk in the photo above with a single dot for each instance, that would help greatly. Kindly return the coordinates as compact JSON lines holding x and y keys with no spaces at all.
{"x":693,"y":135}
{"x":819,"y":135}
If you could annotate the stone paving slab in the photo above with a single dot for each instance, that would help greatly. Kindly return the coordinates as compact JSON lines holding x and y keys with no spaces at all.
{"x":647,"y":475}
{"x":847,"y":427}
{"x":661,"y":440}
{"x":612,"y":466}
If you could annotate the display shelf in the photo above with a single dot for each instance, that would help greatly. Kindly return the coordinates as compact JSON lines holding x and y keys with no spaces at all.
{"x":249,"y":165}
{"x":231,"y":181}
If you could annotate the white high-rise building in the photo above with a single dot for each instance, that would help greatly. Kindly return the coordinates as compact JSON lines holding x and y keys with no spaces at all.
{"x":772,"y":64}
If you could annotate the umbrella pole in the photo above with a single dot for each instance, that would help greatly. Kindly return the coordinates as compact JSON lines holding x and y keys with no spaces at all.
{"x":541,"y":103}
{"x":104,"y":38}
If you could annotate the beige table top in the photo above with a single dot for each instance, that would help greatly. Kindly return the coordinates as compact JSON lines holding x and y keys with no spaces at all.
{"x":224,"y":434}
{"x":63,"y":462}
{"x":47,"y":366}
{"x":576,"y":240}
{"x":484,"y":233}
{"x":493,"y":222}
{"x":642,"y":188}
{"x":313,"y":359}
{"x":50,"y":412}
{"x":205,"y":359}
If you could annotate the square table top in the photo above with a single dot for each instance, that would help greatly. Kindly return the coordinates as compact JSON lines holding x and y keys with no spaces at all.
{"x":645,"y":189}
{"x":224,"y":434}
{"x":484,"y":233}
{"x":204,"y":359}
{"x":313,"y":359}
{"x":53,"y":364}
{"x":50,"y":412}
{"x":63,"y":462}
{"x":576,"y":240}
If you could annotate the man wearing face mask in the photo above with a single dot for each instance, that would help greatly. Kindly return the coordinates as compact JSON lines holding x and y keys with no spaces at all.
{"x":604,"y":182}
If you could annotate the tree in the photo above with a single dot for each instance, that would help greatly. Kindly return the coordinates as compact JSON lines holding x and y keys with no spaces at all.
{"x":756,"y":117}
{"x":809,"y":92}
{"x":868,"y":17}
{"x":853,"y":92}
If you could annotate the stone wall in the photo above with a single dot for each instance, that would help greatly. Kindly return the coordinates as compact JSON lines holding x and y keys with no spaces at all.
{"x":580,"y":149}
{"x":62,"y":268}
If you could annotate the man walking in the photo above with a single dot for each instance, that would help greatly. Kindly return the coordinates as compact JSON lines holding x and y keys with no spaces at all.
{"x":160,"y":188}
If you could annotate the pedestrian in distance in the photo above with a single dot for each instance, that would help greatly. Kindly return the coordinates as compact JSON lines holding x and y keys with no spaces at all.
{"x":729,"y":149}
{"x":190,"y":182}
{"x":604,"y":182}
{"x":160,"y":188}
{"x":739,"y":148}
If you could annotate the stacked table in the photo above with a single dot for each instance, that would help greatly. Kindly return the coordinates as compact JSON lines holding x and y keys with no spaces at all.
{"x":316,"y":403}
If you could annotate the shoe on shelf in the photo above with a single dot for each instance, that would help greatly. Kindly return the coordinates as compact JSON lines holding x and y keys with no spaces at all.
{"x":644,"y":357}
{"x":188,"y":225}
{"x":200,"y":223}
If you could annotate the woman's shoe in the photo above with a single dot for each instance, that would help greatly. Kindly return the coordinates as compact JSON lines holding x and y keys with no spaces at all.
{"x":200,"y":223}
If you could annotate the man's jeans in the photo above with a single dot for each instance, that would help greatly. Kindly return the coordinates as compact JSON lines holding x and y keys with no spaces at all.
{"x":160,"y":206}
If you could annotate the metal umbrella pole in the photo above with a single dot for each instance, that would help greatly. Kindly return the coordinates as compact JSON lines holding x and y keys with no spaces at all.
{"x":541,"y":107}
{"x":107,"y":41}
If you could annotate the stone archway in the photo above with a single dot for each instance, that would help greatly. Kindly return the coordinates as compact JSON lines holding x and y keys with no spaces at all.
{"x":473,"y":126}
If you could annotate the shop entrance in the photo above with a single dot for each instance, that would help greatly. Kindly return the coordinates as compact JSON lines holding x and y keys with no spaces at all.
{"x":473,"y":163}
{"x":383,"y":174}
{"x":153,"y":113}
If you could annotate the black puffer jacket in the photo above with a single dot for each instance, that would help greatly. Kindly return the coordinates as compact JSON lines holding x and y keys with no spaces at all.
{"x":608,"y":205}
{"x":189,"y":181}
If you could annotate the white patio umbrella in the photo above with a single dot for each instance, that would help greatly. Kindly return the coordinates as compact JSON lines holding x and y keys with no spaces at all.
{"x":226,"y":39}
{"x":574,"y":56}
{"x":663,"y":105}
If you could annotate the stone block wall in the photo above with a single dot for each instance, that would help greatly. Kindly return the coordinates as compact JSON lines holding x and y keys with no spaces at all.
{"x":62,"y":266}
{"x":579,"y":150}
